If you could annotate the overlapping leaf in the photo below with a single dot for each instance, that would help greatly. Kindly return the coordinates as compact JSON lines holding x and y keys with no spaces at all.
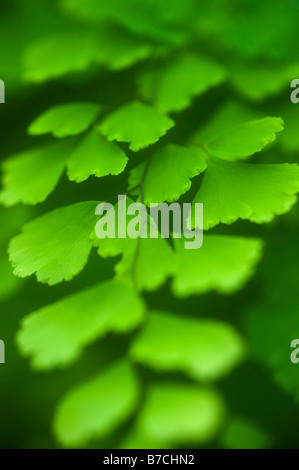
{"x":147,"y":257}
{"x":233,"y":140}
{"x":136,"y":123}
{"x":94,"y":155}
{"x":91,"y":155}
{"x":245,"y":139}
{"x":77,"y":320}
{"x":167,"y":175}
{"x":228,"y":116}
{"x":150,"y":260}
{"x":118,"y":49}
{"x":173,"y":85}
{"x":95,"y":408}
{"x":231,"y":191}
{"x":179,"y":413}
{"x":65,"y":120}
{"x":74,"y":51}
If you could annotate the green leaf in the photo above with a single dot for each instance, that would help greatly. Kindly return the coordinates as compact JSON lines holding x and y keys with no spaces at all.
{"x":234,"y":132}
{"x":94,"y":155}
{"x":136,"y":123}
{"x":167,"y":174}
{"x":76,"y":321}
{"x":118,"y":49}
{"x":56,"y":245}
{"x":230,"y":115}
{"x":150,"y":261}
{"x":74,"y":51}
{"x":65,"y":120}
{"x":169,"y":342}
{"x":29,"y":177}
{"x":173,"y":85}
{"x":245,"y":139}
{"x":56,"y":55}
{"x":231,"y":191}
{"x":223,"y":263}
{"x":115,"y":246}
{"x":96,"y":407}
{"x":181,"y":414}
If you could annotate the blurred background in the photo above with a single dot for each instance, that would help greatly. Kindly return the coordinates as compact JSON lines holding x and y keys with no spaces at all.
{"x":256,"y":42}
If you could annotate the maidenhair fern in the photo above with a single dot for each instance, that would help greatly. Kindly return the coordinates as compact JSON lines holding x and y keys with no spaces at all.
{"x":172,"y":146}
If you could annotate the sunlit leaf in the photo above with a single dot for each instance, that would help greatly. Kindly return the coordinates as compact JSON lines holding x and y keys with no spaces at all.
{"x":77,"y":320}
{"x":56,"y":55}
{"x":118,"y":49}
{"x":96,"y":407}
{"x":136,"y":123}
{"x":149,"y":260}
{"x":173,"y":85}
{"x":231,"y":191}
{"x":226,"y":117}
{"x":167,"y":175}
{"x":169,"y":342}
{"x":94,"y":155}
{"x":180,"y":413}
{"x":31,"y":176}
{"x":245,"y":139}
{"x":56,"y":245}
{"x":65,"y":120}
{"x":223,"y":263}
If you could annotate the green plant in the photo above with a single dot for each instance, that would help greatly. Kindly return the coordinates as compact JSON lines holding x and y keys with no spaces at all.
{"x":158,"y":61}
